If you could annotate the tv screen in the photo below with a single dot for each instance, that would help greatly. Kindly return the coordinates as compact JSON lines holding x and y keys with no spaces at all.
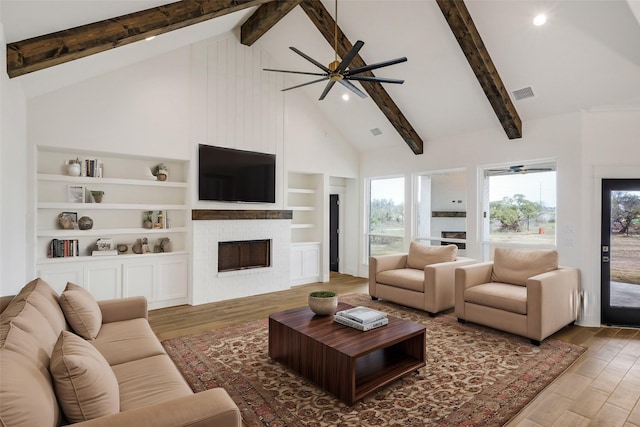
{"x":230,"y":175}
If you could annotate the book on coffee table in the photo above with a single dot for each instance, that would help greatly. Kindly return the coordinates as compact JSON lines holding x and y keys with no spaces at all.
{"x":360,"y":326}
{"x":362,"y":314}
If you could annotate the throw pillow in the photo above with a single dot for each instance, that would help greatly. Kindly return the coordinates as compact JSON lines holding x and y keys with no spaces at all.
{"x":515,"y":266}
{"x":81,"y":311}
{"x":85,"y":385}
{"x":421,"y":255}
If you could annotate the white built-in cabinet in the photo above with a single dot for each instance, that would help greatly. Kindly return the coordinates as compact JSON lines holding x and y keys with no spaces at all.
{"x":305,"y":200}
{"x":130,"y":191}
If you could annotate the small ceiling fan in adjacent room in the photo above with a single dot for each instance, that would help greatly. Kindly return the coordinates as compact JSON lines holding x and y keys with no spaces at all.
{"x":521,"y":169}
{"x":339,"y":71}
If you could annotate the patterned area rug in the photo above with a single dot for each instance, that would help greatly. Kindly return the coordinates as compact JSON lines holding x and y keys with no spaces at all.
{"x":475,"y":376}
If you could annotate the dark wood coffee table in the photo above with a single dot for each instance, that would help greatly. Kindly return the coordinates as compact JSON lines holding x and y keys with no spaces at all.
{"x":345,"y":361}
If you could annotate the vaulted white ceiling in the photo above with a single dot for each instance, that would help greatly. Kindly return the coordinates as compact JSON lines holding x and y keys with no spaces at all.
{"x":586,"y":56}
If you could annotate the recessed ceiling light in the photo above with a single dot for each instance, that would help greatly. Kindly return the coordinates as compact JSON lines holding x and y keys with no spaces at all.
{"x":345,"y":96}
{"x":540,"y":19}
{"x":150,"y":38}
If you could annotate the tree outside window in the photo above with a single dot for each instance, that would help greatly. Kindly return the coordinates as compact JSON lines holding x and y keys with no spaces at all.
{"x":522,"y":206}
{"x":386,"y":216}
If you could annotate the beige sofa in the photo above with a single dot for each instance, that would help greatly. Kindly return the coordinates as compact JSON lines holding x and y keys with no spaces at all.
{"x":523,"y":292}
{"x":110,"y":371}
{"x":423,"y":278}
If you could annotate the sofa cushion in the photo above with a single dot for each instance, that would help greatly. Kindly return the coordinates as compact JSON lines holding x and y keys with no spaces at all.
{"x":421,"y":255}
{"x":35,"y":305}
{"x":26,"y":393}
{"x":149,"y":381}
{"x":517,"y":265}
{"x":405,"y":278}
{"x":85,"y":385}
{"x":81,"y":310}
{"x":127,"y":340}
{"x":499,"y":295}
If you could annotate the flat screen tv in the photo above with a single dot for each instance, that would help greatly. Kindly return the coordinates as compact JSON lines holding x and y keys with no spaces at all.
{"x":230,"y":175}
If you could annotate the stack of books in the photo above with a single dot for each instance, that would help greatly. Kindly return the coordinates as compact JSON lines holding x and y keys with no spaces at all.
{"x":362,"y":318}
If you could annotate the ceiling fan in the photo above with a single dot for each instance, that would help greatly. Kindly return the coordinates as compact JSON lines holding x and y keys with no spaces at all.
{"x":521,"y":169}
{"x":339,"y":71}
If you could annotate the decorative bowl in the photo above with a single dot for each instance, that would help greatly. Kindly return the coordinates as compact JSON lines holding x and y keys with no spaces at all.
{"x":323,"y":303}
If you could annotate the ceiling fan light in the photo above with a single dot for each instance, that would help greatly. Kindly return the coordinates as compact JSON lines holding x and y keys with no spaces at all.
{"x":345,"y":96}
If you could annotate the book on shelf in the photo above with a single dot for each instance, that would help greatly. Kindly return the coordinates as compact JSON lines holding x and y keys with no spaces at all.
{"x":360,"y":326}
{"x":362,"y":314}
{"x":60,"y":248}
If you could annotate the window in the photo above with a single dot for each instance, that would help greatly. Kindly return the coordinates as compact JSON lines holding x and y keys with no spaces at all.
{"x":386,"y":216}
{"x":521,"y":204}
{"x":440,"y":208}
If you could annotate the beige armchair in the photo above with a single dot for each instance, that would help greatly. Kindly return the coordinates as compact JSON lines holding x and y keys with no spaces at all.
{"x":523,"y":292}
{"x":423,"y":278}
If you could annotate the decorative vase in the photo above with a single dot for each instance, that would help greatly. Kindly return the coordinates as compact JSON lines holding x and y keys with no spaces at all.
{"x":97,"y":196}
{"x":85,"y":223}
{"x":323,"y":303}
{"x":161,"y":176}
{"x":65,"y":221}
{"x":73,"y":169}
{"x":137,"y":247}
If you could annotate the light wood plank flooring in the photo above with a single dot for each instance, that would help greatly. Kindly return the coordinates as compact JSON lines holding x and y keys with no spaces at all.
{"x":601,"y":389}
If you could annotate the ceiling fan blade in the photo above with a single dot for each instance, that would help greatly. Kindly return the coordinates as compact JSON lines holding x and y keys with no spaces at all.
{"x":374,"y":79}
{"x":327,"y":88}
{"x":375,"y":66}
{"x":305,"y":84}
{"x":349,"y":57}
{"x":310,"y":59}
{"x":295,"y":72}
{"x":353,"y":88}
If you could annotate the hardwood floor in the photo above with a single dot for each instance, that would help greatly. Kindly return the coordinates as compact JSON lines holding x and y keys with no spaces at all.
{"x":601,"y":389}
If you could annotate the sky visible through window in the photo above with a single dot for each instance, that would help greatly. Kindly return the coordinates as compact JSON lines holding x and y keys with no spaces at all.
{"x":539,"y":187}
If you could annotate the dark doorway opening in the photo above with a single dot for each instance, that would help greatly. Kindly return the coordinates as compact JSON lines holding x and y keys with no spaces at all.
{"x":334,"y":232}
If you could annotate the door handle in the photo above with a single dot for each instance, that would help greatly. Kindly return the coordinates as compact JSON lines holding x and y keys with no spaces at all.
{"x":605,"y":259}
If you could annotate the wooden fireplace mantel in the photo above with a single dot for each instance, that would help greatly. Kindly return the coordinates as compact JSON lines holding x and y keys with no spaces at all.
{"x":227,"y":214}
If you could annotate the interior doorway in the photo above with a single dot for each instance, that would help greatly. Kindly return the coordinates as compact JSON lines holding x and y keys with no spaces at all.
{"x":334,"y":232}
{"x":620,"y":252}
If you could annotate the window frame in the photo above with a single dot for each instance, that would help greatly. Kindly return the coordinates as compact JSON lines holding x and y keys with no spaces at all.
{"x":367,"y":212}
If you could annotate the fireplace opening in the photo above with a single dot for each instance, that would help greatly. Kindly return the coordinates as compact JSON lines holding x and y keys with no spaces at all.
{"x":453,"y":235}
{"x":244,"y":254}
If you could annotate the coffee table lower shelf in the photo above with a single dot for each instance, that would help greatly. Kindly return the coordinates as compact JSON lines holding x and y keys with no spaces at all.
{"x":344,"y":361}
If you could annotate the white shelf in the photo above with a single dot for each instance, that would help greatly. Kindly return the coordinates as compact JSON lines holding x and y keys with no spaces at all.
{"x":71,"y":259}
{"x":109,"y":206}
{"x":303,"y":225}
{"x":301,"y":191}
{"x":67,"y":234}
{"x":115,"y":181}
{"x":302,"y":208}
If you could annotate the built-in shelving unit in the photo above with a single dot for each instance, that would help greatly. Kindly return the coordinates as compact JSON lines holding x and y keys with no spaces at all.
{"x":304,"y":199}
{"x":130,"y":191}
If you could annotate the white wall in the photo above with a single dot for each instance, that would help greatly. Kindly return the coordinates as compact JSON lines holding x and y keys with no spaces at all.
{"x":588,"y":146}
{"x":611,"y":150}
{"x":14,"y":214}
{"x":214,"y":92}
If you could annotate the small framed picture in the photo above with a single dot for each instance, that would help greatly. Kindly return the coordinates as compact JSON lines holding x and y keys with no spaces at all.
{"x":76,"y":194}
{"x":105,"y":244}
{"x":73,"y":216}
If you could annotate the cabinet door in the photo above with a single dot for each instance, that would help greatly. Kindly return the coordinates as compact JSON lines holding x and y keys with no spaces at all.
{"x":173,"y":279}
{"x":138,"y":280}
{"x":58,"y":275}
{"x":103,"y":280}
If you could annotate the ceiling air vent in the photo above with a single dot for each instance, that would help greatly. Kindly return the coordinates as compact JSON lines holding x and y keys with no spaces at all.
{"x":525,"y":92}
{"x":376,"y":131}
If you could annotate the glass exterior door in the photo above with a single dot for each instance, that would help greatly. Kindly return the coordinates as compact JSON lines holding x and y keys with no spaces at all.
{"x":620,"y":252}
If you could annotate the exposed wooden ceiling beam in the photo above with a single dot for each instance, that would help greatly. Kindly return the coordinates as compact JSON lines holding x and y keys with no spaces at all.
{"x":267,"y":15}
{"x":56,"y":48}
{"x":325,"y":23}
{"x":465,"y":31}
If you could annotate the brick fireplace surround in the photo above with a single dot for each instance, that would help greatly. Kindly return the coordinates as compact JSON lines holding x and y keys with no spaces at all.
{"x":213,"y":226}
